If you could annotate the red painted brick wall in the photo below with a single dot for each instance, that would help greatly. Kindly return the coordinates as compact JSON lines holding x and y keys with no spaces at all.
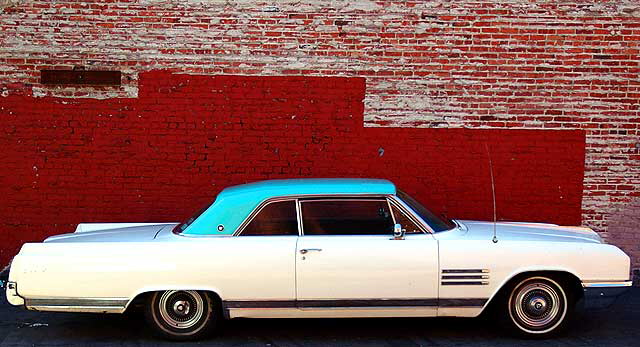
{"x":499,"y":65}
{"x":161,"y":156}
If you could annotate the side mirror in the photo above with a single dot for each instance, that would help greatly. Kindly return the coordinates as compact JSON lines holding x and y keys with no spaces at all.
{"x":398,"y":232}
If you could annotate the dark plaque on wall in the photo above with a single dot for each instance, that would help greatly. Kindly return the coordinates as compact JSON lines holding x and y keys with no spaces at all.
{"x":80,"y":77}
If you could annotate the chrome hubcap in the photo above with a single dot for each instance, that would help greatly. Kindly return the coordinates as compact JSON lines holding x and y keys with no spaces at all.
{"x":181,"y":309}
{"x":537,"y":306}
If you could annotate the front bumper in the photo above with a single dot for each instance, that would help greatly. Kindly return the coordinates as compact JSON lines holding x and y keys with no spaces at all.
{"x":599,"y":295}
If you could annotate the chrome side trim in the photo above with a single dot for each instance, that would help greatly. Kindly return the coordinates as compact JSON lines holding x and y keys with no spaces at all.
{"x":78,"y":309}
{"x":461,"y":277}
{"x":606,"y":284}
{"x":354,"y":303}
{"x":92,"y":305}
{"x":465,"y":277}
{"x":465,"y":283}
{"x":465,"y":271}
{"x":79,"y":302}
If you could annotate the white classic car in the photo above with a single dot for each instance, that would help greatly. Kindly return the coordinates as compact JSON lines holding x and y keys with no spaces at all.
{"x":320,"y":248}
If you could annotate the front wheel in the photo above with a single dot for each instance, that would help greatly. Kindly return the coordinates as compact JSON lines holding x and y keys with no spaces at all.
{"x":538,"y":307}
{"x":182,"y":315}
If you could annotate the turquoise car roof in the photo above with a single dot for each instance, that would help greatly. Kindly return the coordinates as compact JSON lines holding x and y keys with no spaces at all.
{"x":234,"y":204}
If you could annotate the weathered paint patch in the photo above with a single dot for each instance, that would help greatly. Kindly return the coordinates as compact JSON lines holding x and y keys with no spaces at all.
{"x":8,"y":3}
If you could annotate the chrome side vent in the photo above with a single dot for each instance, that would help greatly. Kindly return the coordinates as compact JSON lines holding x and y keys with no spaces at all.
{"x":465,"y":277}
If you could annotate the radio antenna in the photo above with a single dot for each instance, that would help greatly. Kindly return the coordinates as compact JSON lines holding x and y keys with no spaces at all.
{"x":493,"y":193}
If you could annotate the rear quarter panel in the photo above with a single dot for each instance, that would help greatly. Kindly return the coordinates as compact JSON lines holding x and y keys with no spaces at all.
{"x":236,"y":268}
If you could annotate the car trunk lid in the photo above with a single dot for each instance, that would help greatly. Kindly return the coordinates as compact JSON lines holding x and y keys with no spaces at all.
{"x":127,"y":233}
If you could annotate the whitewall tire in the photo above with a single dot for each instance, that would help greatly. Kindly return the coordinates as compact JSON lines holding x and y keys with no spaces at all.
{"x":538,"y":307}
{"x":182,"y":315}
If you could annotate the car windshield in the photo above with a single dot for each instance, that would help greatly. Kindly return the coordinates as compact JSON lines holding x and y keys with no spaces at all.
{"x":436,"y":223}
{"x":182,"y":226}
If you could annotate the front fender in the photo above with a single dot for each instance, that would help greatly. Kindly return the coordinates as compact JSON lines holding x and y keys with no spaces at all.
{"x":530,"y":271}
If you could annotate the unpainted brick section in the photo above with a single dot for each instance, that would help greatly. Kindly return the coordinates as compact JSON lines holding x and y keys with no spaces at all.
{"x":496,"y":64}
{"x":163,"y":155}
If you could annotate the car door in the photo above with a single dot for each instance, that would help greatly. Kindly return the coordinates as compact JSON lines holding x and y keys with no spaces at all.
{"x":258,"y":264}
{"x":348,"y":258}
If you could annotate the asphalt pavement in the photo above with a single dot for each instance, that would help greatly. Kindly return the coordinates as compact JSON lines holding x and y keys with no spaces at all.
{"x":617,"y":326}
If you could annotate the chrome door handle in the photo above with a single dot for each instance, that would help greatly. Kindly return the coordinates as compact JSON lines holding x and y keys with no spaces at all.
{"x":307,"y":250}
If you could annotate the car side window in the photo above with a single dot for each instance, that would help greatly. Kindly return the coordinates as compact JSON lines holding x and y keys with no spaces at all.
{"x":407,"y":224}
{"x":276,"y":218}
{"x":346,"y":217}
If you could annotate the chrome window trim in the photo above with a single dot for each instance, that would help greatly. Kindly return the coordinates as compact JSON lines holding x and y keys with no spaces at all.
{"x":393,"y":216}
{"x":390,"y":197}
{"x":347,"y":198}
{"x":343,"y":198}
{"x":409,"y":215}
{"x":299,"y":216}
{"x":459,"y":225}
{"x":417,"y":216}
{"x":259,"y":209}
{"x":297,"y":198}
{"x":426,"y":228}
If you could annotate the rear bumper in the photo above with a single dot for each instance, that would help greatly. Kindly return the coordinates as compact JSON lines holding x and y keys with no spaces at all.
{"x":10,"y":288}
{"x":12,"y":294}
{"x":599,"y":295}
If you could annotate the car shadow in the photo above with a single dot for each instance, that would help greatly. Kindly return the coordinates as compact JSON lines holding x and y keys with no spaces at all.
{"x":125,"y":330}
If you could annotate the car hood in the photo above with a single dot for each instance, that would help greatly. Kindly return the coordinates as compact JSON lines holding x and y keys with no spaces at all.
{"x":530,"y":232}
{"x":129,"y":234}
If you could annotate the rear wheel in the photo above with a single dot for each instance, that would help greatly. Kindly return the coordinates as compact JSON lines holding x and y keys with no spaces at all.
{"x":182,"y":315}
{"x":538,"y":307}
